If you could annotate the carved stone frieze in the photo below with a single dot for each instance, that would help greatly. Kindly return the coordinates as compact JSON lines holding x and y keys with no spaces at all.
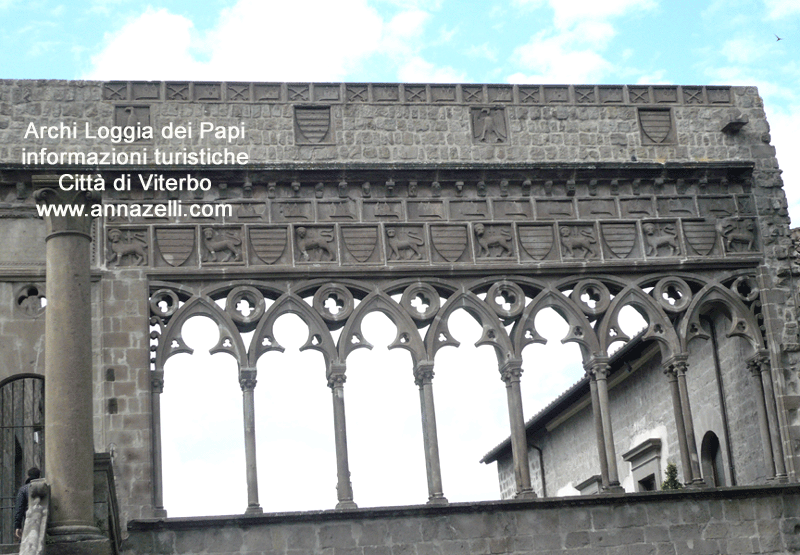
{"x":578,"y":242}
{"x":127,"y":247}
{"x":221,"y":245}
{"x":315,"y":244}
{"x":405,"y":243}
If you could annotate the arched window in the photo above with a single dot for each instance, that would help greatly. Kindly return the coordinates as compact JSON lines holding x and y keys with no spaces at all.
{"x":21,"y":440}
{"x":711,"y":457}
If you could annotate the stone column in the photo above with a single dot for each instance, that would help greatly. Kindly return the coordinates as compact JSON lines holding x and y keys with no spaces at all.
{"x":767,"y":398}
{"x":672,"y":375}
{"x":423,"y":377}
{"x":69,"y":465}
{"x":688,"y":422}
{"x":157,"y":388}
{"x":598,"y":429}
{"x":763,"y":425}
{"x":344,"y":489}
{"x":247,"y":380}
{"x":600,"y":369}
{"x":510,"y":373}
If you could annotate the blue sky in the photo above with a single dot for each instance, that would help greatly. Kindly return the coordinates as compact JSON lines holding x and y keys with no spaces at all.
{"x":685,"y":42}
{"x":546,"y":41}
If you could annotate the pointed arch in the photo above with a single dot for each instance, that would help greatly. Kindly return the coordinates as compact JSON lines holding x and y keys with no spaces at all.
{"x":172,"y":342}
{"x":659,"y":326}
{"x":494,"y":333}
{"x":743,"y":322}
{"x":580,"y":329}
{"x":407,"y":337}
{"x":319,"y":337}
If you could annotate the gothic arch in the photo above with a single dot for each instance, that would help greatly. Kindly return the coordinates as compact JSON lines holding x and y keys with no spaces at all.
{"x":715,"y":295}
{"x":580,"y":329}
{"x":171,"y":341}
{"x":319,"y":337}
{"x":407,"y":335}
{"x":494,"y":333}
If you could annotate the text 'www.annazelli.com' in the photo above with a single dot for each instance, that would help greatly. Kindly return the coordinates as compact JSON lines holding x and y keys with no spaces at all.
{"x":166,"y":209}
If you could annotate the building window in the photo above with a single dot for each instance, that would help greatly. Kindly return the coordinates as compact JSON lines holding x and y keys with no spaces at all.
{"x":645,"y":461}
{"x":711,"y":457}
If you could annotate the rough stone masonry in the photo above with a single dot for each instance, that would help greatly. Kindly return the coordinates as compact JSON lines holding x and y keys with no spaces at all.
{"x":415,"y":200}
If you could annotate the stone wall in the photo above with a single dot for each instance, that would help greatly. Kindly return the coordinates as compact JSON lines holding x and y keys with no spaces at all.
{"x":501,"y":131}
{"x":641,"y":408}
{"x":749,"y":520}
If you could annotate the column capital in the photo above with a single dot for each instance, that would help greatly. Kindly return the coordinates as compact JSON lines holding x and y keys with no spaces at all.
{"x":676,"y":365}
{"x":597,"y":367}
{"x":759,"y":362}
{"x":423,"y":373}
{"x":49,"y":193}
{"x":511,"y":370}
{"x":336,"y":380}
{"x":157,"y":381}
{"x":247,"y":379}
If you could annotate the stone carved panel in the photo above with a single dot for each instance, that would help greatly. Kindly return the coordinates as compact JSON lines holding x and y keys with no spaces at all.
{"x":701,"y":236}
{"x":637,"y":207}
{"x":145,"y":91}
{"x":135,"y":116}
{"x":405,"y":243}
{"x":738,"y":235}
{"x":554,"y":209}
{"x":383,"y":210}
{"x":208,"y":91}
{"x":489,"y":126}
{"x":469,"y":210}
{"x":449,"y":243}
{"x":597,"y":208}
{"x":578,"y":242}
{"x":620,"y":240}
{"x":221,"y":245}
{"x":357,"y":92}
{"x":361,"y":244}
{"x":178,"y":90}
{"x":718,"y":207}
{"x":313,"y":125}
{"x":472,"y":93}
{"x":536,"y":242}
{"x":315,"y":244}
{"x":292,"y":211}
{"x":676,"y":206}
{"x":661,"y":239}
{"x":267,"y":92}
{"x":513,"y":209}
{"x":115,"y":90}
{"x":238,"y":92}
{"x":127,"y":247}
{"x":269,"y":245}
{"x":344,"y":210}
{"x":493,"y":241}
{"x":425,"y":210}
{"x":656,"y":126}
{"x":175,"y":246}
{"x":30,"y":300}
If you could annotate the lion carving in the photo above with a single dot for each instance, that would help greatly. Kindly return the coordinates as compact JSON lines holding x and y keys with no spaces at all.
{"x":134,"y":247}
{"x":219,"y":242}
{"x":409,"y":242}
{"x":497,"y":238}
{"x":316,"y":241}
{"x":579,"y":242}
{"x":655,"y":238}
{"x":738,"y":236}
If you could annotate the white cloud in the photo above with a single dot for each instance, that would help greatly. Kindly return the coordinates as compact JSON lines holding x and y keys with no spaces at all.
{"x":778,"y":9}
{"x":568,"y":57}
{"x":418,"y":70}
{"x":569,"y":13}
{"x":315,"y":40}
{"x":783,"y":129}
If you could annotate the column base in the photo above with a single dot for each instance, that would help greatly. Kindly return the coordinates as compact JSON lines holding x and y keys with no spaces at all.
{"x":77,"y":540}
{"x":159,"y":513}
{"x":80,"y":547}
{"x":697,"y":483}
{"x":526,"y":494}
{"x":614,"y":488}
{"x":254,"y":510}
{"x":342,"y":505}
{"x":779,"y":479}
{"x":438,"y":500}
